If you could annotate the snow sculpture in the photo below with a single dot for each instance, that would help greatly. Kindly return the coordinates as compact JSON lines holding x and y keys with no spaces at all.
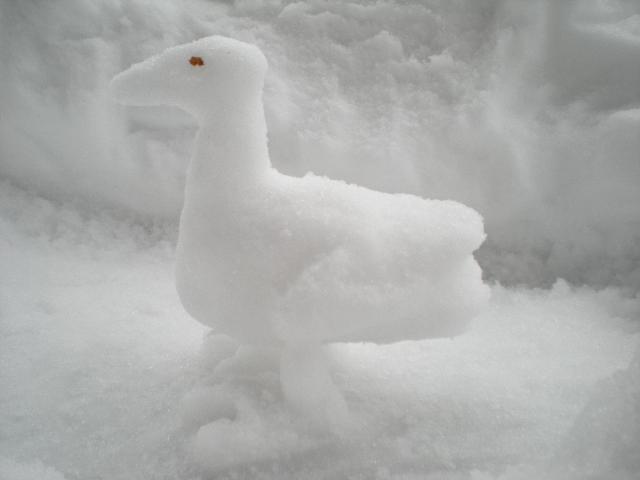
{"x":295,"y":263}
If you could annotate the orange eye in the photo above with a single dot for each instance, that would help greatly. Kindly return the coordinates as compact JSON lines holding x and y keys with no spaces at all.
{"x":196,"y":61}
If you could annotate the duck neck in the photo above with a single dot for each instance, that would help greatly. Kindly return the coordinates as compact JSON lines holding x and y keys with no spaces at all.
{"x":231,"y":146}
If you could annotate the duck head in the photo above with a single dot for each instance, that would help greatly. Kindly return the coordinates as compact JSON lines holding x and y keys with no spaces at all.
{"x":196,"y":77}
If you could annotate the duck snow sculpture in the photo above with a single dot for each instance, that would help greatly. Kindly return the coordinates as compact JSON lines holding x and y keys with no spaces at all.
{"x":295,"y":263}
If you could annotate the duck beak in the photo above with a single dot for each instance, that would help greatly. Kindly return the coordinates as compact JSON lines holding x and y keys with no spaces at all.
{"x":139,"y":85}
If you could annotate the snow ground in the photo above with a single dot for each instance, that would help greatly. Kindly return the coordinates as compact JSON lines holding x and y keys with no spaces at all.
{"x":527,"y":111}
{"x":96,"y":355}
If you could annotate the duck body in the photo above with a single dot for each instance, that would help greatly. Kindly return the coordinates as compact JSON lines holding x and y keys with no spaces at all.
{"x":310,"y":259}
{"x":295,"y":263}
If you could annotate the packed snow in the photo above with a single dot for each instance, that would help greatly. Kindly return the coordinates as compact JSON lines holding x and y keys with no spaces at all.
{"x":269,"y":258}
{"x":297,"y":262}
{"x":528,"y":112}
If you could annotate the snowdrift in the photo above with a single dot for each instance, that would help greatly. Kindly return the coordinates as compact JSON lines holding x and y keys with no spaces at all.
{"x":527,"y":113}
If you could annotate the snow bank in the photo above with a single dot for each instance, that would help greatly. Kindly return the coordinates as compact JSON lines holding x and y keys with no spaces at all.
{"x":61,"y":132}
{"x":528,"y":113}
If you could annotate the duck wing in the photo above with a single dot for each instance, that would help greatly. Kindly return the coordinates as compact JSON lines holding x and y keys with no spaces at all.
{"x":382,"y":260}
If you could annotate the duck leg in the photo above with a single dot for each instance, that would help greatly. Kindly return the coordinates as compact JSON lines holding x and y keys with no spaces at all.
{"x":308,"y":387}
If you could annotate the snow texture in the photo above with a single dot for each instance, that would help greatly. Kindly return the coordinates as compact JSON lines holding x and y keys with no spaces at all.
{"x":97,"y":356}
{"x":528,"y":112}
{"x":525,"y":111}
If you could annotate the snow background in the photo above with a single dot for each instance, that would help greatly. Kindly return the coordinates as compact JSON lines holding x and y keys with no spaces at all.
{"x":527,"y":111}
